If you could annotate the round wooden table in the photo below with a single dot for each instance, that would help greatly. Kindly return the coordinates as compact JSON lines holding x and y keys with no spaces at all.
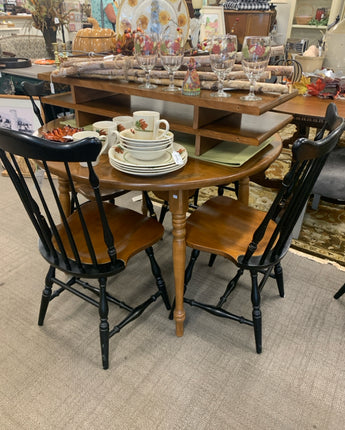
{"x":176,"y":187}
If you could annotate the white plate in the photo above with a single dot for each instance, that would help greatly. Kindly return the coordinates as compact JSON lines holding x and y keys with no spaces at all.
{"x":124,"y":157}
{"x":126,"y":163}
{"x":152,"y":15}
{"x":148,"y":171}
{"x":151,"y":173}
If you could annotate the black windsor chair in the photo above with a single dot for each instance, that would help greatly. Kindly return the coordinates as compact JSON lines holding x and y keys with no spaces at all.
{"x":253,"y":240}
{"x":94,"y":242}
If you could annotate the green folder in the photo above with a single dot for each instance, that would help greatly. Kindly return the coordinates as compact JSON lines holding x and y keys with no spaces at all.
{"x":228,"y":153}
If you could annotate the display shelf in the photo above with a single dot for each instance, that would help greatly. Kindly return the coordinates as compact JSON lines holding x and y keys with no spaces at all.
{"x":309,"y":7}
{"x":209,"y":119}
{"x":310,"y":27}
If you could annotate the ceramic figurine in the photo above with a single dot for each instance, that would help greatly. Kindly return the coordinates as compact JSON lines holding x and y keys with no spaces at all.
{"x":191,"y":83}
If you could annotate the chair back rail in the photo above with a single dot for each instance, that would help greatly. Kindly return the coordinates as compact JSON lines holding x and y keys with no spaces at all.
{"x":60,"y":251}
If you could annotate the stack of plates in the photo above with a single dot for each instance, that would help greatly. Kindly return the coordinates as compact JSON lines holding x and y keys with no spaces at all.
{"x":146,"y":149}
{"x":172,"y":159}
{"x":128,"y":136}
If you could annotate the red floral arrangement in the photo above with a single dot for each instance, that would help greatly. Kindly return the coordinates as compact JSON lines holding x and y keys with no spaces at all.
{"x":124,"y":43}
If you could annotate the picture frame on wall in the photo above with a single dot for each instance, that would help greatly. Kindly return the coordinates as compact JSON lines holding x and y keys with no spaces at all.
{"x":212,"y":22}
{"x":16,"y":113}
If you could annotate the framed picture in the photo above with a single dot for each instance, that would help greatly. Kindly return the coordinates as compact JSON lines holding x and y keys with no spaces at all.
{"x":16,"y":113}
{"x":212,"y":22}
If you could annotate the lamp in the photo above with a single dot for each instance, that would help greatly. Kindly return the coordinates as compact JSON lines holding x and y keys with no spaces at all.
{"x":197,"y":5}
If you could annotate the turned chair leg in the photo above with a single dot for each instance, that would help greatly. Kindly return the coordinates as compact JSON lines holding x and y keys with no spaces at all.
{"x":278,"y":271}
{"x":104,"y":324}
{"x":156,"y":271}
{"x":164,"y":210}
{"x":46,"y":295}
{"x":256,"y":312}
{"x":340,"y":292}
{"x":187,"y":276}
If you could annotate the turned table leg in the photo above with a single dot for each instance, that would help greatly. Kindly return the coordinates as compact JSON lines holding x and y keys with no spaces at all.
{"x":178,"y":204}
{"x":64,"y":196}
{"x":243,"y":190}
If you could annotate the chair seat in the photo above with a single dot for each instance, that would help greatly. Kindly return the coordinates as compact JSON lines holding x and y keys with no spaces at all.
{"x":225,"y":226}
{"x":132,"y":231}
{"x":331,"y":182}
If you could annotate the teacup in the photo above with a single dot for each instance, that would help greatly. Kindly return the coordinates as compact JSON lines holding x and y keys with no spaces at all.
{"x":146,"y":124}
{"x":123,"y":122}
{"x":108,"y":129}
{"x":83,"y":135}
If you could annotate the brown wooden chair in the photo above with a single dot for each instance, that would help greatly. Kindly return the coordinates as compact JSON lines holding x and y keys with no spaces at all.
{"x":253,"y":240}
{"x":93,"y":243}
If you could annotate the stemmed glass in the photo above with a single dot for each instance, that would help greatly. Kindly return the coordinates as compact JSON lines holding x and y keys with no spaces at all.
{"x":222,"y":51}
{"x":146,"y":52}
{"x":171,"y":54}
{"x":256,"y":51}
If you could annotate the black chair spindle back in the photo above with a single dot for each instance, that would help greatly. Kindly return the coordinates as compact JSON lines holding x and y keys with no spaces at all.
{"x":82,"y":244}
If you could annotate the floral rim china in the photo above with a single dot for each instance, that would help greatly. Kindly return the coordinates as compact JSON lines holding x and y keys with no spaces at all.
{"x":153,"y":15}
{"x":123,"y":161}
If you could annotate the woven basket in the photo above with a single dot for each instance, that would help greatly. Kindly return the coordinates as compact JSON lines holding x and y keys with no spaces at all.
{"x":309,"y":64}
{"x":304,"y":14}
{"x":303,"y":20}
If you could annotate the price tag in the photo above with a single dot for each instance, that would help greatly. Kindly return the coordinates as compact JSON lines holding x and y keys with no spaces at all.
{"x":177,"y":157}
{"x":56,"y":20}
{"x":108,"y":57}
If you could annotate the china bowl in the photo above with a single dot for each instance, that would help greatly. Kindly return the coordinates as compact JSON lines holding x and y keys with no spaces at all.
{"x":146,"y":147}
{"x":146,"y":155}
{"x":128,"y":136}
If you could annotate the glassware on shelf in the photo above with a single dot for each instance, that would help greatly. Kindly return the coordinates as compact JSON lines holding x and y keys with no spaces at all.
{"x":222,"y":51}
{"x":146,"y":52}
{"x":171,"y":54}
{"x":256,"y":51}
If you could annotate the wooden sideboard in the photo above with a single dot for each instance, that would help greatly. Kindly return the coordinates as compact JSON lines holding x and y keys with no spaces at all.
{"x":250,"y":22}
{"x":209,"y":119}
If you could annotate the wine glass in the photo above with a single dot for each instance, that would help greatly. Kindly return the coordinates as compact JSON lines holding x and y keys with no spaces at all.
{"x":146,"y":52}
{"x":256,"y":52}
{"x":222,"y":51}
{"x":171,"y":54}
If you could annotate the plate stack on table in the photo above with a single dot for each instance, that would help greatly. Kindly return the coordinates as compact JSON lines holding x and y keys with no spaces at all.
{"x":147,"y":157}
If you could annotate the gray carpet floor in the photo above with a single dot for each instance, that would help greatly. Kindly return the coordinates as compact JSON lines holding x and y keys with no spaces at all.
{"x":211,"y":378}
